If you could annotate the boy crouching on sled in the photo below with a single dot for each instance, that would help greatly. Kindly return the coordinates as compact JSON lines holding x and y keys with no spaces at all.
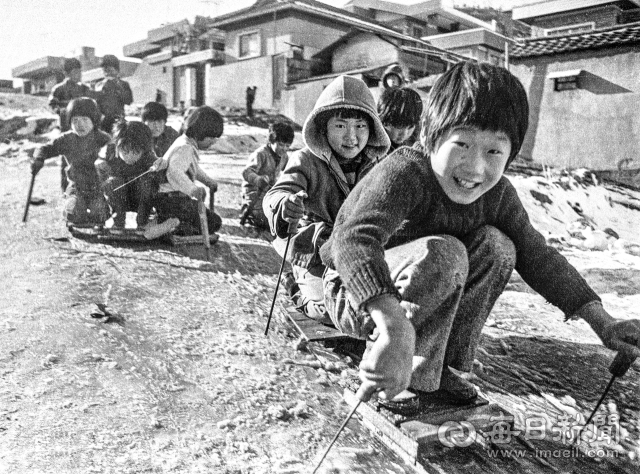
{"x":85,"y":204}
{"x":426,"y":243}
{"x":126,"y":174}
{"x":179,"y":169}
{"x":344,"y":140}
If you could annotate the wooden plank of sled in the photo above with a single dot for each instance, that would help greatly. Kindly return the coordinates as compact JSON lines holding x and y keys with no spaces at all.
{"x":310,"y":329}
{"x":192,"y":239}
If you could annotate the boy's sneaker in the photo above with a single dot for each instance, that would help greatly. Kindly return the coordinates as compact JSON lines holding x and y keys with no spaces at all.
{"x":453,"y":389}
{"x":153,"y":231}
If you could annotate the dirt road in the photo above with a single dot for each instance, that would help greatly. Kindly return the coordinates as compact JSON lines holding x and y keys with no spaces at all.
{"x":183,"y":380}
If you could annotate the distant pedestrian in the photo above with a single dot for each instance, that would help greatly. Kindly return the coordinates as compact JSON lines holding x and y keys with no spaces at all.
{"x":112,"y":93}
{"x":63,"y":93}
{"x":263,"y":167}
{"x":250,"y":97}
{"x":84,"y":203}
{"x":154,"y":116}
{"x":180,"y":169}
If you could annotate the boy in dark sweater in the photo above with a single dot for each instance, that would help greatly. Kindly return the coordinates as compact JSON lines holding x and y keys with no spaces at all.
{"x":84,"y":203}
{"x":129,"y":159}
{"x":154,"y":116}
{"x":400,"y":109}
{"x":63,"y":93}
{"x":260,"y":174}
{"x":426,"y":243}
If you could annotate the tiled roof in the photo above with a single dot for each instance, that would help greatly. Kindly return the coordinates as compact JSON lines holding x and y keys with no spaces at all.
{"x":607,"y":37}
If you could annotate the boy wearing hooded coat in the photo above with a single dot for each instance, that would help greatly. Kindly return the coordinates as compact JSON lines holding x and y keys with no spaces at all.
{"x":344,"y":140}
{"x":85,"y":203}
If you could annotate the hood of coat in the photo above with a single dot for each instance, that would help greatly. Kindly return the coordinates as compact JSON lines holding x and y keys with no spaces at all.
{"x":346,"y":92}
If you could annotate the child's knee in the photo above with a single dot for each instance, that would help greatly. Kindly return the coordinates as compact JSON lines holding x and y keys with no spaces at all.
{"x":445,"y":258}
{"x":498,"y":247}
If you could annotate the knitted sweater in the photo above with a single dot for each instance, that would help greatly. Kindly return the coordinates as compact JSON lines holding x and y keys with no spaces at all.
{"x":400,"y":200}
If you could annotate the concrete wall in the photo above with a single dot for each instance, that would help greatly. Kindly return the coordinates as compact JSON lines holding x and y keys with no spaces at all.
{"x":226,"y":85}
{"x":603,"y":17}
{"x":148,"y":78}
{"x":595,"y":126}
{"x":363,"y":51}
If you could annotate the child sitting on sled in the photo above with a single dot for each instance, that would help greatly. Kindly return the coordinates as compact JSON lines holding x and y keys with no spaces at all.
{"x":85,"y":204}
{"x":261,"y":171}
{"x":426,"y":243}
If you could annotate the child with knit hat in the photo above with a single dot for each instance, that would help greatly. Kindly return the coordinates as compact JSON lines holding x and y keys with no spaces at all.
{"x":84,"y":204}
{"x":344,"y":140}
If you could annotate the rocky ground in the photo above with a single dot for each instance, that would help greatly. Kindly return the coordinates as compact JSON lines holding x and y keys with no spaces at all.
{"x":180,"y":377}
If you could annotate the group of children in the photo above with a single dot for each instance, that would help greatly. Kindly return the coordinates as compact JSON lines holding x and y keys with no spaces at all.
{"x":408,"y":250}
{"x":147,"y":166}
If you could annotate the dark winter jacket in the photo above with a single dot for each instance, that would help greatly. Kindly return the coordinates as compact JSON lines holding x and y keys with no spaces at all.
{"x":316,"y":171}
{"x":112,"y":94}
{"x":62,"y":94}
{"x":162,"y":142}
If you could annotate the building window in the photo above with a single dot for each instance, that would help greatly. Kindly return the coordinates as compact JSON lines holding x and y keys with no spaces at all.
{"x":417,"y":32}
{"x":570,"y":29}
{"x":249,"y":45}
{"x":566,"y":80}
{"x":164,"y":69}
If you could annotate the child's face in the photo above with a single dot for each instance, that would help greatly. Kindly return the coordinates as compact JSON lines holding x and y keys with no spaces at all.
{"x":399,"y":135}
{"x":110,"y":71}
{"x":129,"y":156}
{"x":281,"y":148}
{"x":468,"y":162}
{"x":347,"y":137}
{"x":81,"y":126}
{"x":206,"y":143}
{"x":156,"y":126}
{"x":75,"y":75}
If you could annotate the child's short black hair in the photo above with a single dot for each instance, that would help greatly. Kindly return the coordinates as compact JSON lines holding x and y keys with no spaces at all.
{"x":71,"y":64}
{"x":84,"y":107}
{"x":109,"y":60}
{"x":400,"y":107}
{"x":132,"y":136}
{"x":281,"y":132}
{"x":477,"y":95}
{"x":345,"y":113}
{"x":153,"y":111}
{"x":202,"y":123}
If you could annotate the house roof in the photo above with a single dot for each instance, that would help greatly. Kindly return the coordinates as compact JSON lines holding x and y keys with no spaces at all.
{"x":263,"y":7}
{"x":619,"y":35}
{"x":535,"y":10}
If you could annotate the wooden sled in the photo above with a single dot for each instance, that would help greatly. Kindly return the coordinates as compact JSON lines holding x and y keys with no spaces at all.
{"x":309,"y":329}
{"x":435,"y":426}
{"x":126,"y":235}
{"x":191,"y":239}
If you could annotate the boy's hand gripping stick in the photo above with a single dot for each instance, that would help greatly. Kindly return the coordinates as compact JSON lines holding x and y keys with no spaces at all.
{"x":618,"y":368}
{"x":290,"y":231}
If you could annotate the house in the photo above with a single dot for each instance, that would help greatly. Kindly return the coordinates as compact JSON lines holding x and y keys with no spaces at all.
{"x":6,"y":85}
{"x":580,"y":69}
{"x":443,"y":26}
{"x":40,"y":75}
{"x":175,"y":58}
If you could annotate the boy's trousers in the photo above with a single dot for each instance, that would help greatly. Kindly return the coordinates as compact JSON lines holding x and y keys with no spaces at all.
{"x":177,"y":204}
{"x":448,"y":288}
{"x":137,"y":196}
{"x":85,"y":207}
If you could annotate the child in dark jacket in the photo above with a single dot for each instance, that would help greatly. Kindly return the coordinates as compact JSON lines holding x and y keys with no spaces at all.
{"x":127,"y":161}
{"x":112,"y":93}
{"x":261,"y":172}
{"x":154,"y":116}
{"x":180,"y":167}
{"x":400,"y":109}
{"x":84,"y":203}
{"x":344,"y":140}
{"x":63,"y":93}
{"x":426,"y":243}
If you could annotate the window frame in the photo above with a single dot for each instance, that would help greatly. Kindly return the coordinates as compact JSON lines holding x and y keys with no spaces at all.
{"x":247,"y":34}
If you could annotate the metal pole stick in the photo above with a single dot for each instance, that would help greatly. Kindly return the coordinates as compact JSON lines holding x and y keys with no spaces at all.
{"x":26,"y":209}
{"x":344,"y":423}
{"x":131,"y":181}
{"x":275,"y":293}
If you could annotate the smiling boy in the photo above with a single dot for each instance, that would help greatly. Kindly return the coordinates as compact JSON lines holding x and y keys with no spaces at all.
{"x":344,"y":139}
{"x":425,"y":245}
